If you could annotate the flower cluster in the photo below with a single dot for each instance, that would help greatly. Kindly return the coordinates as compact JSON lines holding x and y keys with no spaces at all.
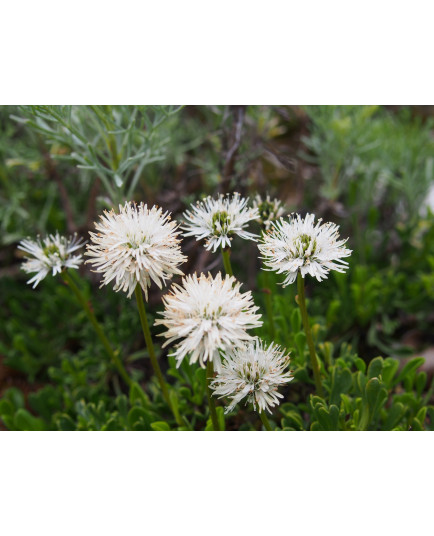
{"x":135,"y":246}
{"x":217,"y":220}
{"x":269,"y":210}
{"x":299,"y":245}
{"x":208,"y":315}
{"x":52,"y":254}
{"x":253,"y":372}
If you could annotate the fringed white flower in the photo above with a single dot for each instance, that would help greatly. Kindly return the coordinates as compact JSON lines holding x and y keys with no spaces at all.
{"x":254,"y":373}
{"x":298,"y":245}
{"x":217,"y":220}
{"x":269,"y":210}
{"x":207,"y":315}
{"x":136,"y":246}
{"x":53,"y":253}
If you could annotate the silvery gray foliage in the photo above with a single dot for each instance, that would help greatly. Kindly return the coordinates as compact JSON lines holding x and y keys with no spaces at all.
{"x":113,"y":143}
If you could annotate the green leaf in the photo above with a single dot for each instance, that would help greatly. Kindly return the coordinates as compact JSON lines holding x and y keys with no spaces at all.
{"x":8,"y":421}
{"x":122,"y":405}
{"x":175,"y":404}
{"x":390,"y":366}
{"x":15,"y":396}
{"x":341,"y":383}
{"x":420,"y":382}
{"x":139,"y":419}
{"x":160,"y":426}
{"x":292,"y":419}
{"x":323,"y":418}
{"x":23,"y":420}
{"x":360,"y":383}
{"x":64,"y":423}
{"x":394,"y":415}
{"x":6,"y":408}
{"x":296,"y":320}
{"x":334,"y":417}
{"x":421,"y":414}
{"x":300,"y":342}
{"x":137,"y":395}
{"x":316,"y":427}
{"x":376,"y":396}
{"x":360,"y":364}
{"x":346,"y":403}
{"x":410,"y":368}
{"x":375,"y":367}
{"x":416,"y":425}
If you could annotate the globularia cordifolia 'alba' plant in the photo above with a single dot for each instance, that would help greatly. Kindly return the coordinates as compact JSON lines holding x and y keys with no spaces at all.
{"x":54,"y":253}
{"x":51,"y":254}
{"x":218,"y":220}
{"x":132,"y":248}
{"x":253,"y":372}
{"x":269,"y":210}
{"x":208,"y":315}
{"x":299,"y":247}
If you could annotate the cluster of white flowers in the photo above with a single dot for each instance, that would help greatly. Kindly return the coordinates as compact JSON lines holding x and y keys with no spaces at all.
{"x":253,"y":372}
{"x":52,"y":254}
{"x":209,"y":315}
{"x":298,"y":245}
{"x":217,"y":220}
{"x":206,"y":317}
{"x":269,"y":210}
{"x":135,"y":246}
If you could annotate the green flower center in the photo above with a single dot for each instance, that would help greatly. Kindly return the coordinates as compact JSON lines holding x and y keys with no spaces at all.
{"x":266,"y":211}
{"x":51,"y":250}
{"x":134,"y":242}
{"x":305,"y":241}
{"x":220,"y":223}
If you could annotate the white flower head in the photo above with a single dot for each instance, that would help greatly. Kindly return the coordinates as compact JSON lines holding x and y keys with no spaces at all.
{"x":298,"y":245}
{"x":217,"y":220}
{"x":53,"y":253}
{"x":135,"y":246}
{"x":255,"y":373}
{"x":207,"y":315}
{"x":269,"y":210}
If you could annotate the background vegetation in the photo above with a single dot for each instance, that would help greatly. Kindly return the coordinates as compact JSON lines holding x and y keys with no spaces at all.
{"x":368,"y":168}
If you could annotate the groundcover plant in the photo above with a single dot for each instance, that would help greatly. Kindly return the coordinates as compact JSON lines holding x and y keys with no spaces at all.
{"x":281,"y":261}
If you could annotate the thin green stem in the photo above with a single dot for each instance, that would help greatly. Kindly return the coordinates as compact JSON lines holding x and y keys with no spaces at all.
{"x":309,"y":338}
{"x":150,"y":344}
{"x":269,"y":305}
{"x":265,"y":421}
{"x":211,"y":401}
{"x":227,"y":260}
{"x":97,"y":327}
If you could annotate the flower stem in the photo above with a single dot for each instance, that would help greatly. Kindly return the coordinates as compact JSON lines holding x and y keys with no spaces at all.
{"x":97,"y":327}
{"x":211,"y":401}
{"x":150,"y":344}
{"x":269,"y":306}
{"x":265,"y":421}
{"x":309,"y":338}
{"x":227,"y":261}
